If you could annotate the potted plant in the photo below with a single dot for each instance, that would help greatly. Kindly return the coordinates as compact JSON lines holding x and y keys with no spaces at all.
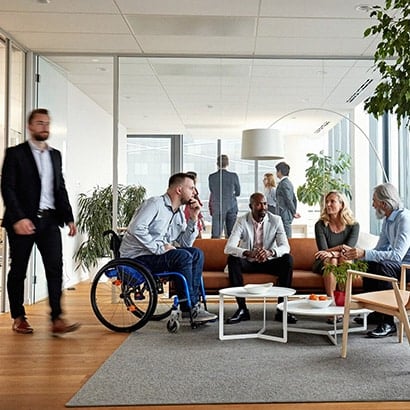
{"x":340,"y":274}
{"x":95,"y":216}
{"x":324,"y":175}
{"x":392,"y":59}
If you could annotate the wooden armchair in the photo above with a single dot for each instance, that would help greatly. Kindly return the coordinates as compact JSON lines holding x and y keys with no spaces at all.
{"x":395,"y":302}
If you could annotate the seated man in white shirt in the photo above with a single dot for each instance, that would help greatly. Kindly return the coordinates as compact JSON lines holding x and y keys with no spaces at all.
{"x":258,"y":243}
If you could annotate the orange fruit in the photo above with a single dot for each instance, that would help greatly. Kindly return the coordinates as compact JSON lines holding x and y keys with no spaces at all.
{"x":321,"y":297}
{"x":313,"y":297}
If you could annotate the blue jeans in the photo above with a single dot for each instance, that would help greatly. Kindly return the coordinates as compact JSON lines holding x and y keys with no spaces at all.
{"x":188,"y":261}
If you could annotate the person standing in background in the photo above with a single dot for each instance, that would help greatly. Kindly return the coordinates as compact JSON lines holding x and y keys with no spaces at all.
{"x":286,"y":202}
{"x":37,"y":205}
{"x":223,"y":206}
{"x":270,"y":191}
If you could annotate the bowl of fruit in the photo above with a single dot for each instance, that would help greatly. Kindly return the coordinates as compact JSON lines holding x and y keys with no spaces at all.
{"x":319,"y":301}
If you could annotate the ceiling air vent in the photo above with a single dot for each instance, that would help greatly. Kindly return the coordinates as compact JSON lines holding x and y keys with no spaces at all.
{"x":359,"y":90}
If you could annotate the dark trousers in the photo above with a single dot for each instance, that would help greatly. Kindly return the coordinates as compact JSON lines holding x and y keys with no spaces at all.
{"x":281,"y":267}
{"x":385,"y":268}
{"x":188,"y":261}
{"x":48,"y":241}
{"x":223,"y":220}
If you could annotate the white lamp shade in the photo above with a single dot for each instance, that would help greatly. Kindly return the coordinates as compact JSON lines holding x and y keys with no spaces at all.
{"x":262,"y":144}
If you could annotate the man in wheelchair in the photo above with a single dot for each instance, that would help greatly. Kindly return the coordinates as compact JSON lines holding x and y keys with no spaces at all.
{"x":159,"y":237}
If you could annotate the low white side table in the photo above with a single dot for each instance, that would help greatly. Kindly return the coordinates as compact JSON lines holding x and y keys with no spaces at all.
{"x":302,"y":307}
{"x":270,"y":293}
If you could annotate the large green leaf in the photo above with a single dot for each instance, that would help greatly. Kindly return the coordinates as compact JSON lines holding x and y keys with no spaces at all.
{"x":95,"y":216}
{"x":324,"y":175}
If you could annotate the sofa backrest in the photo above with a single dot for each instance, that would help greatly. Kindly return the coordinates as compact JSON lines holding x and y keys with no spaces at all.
{"x":303,"y":251}
{"x":215,"y":259}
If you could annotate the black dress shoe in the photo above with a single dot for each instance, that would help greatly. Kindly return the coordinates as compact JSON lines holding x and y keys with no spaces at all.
{"x":292,"y":319}
{"x":239,"y":316}
{"x":383,"y":330}
{"x":372,"y":319}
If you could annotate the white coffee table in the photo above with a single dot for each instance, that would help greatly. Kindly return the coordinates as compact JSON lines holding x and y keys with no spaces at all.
{"x":270,"y":293}
{"x":302,"y":307}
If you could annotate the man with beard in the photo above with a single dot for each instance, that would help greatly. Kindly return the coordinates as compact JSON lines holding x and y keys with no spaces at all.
{"x":392,"y":249}
{"x":37,"y":204}
{"x":258,"y":243}
{"x":159,"y":237}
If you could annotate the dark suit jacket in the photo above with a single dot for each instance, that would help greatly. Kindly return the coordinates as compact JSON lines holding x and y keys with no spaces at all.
{"x":231,"y":188}
{"x":21,"y":186}
{"x":286,"y":202}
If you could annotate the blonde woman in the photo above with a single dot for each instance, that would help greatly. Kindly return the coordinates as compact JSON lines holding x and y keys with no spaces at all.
{"x":270,"y":191}
{"x":335,"y":228}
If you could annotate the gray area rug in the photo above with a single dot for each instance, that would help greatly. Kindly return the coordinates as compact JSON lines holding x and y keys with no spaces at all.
{"x":154,"y":367}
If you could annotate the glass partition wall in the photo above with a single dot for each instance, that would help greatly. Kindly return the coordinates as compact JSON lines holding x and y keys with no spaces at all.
{"x":173,"y":111}
{"x":177,"y":114}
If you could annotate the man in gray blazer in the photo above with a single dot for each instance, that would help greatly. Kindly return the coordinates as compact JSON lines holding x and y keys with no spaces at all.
{"x":223,"y":206}
{"x":258,"y":243}
{"x":286,"y":202}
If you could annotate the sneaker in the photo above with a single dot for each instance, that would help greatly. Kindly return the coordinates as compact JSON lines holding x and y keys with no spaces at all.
{"x":20,"y":325}
{"x":199,"y":314}
{"x":60,"y":327}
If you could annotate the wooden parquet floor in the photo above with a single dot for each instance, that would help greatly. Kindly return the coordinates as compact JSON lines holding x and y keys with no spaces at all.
{"x":40,"y":372}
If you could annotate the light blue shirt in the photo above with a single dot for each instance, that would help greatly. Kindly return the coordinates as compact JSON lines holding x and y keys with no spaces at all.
{"x":394,"y":240}
{"x":45,"y":170}
{"x":155,"y":224}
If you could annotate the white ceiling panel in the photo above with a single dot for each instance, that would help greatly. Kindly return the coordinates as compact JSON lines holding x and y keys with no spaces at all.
{"x":190,"y":7}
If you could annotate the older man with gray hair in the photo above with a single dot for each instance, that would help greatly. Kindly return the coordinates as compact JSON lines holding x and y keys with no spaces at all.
{"x":391,"y":251}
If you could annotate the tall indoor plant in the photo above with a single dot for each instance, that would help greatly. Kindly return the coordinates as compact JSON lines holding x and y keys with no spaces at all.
{"x":95,"y":216}
{"x":324,"y":175}
{"x":392,"y":59}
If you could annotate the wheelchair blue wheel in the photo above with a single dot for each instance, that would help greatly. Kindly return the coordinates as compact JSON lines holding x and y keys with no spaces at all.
{"x":123,"y":295}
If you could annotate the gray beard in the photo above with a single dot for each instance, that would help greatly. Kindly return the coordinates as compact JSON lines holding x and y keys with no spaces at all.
{"x":380,"y":214}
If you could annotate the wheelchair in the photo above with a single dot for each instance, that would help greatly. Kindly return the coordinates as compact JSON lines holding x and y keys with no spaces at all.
{"x":125,"y":295}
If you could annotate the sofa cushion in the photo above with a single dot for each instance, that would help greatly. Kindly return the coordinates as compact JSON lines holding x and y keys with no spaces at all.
{"x":215,"y":259}
{"x":303,"y":251}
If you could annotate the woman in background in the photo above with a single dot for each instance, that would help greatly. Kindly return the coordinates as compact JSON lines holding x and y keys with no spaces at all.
{"x":335,"y":228}
{"x":270,"y":191}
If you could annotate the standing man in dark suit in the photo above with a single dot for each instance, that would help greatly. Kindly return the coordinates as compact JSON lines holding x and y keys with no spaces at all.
{"x":223,"y":206}
{"x":37,"y":204}
{"x":286,"y":202}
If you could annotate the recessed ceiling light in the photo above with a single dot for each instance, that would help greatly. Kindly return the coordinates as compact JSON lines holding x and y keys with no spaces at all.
{"x":102,"y":69}
{"x":44,"y":1}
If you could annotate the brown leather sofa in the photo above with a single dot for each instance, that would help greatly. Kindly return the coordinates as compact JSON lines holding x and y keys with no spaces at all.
{"x":302,"y":250}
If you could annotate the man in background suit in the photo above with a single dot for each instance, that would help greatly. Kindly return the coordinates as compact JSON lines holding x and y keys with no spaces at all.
{"x":37,"y":204}
{"x":286,"y":202}
{"x":223,"y":206}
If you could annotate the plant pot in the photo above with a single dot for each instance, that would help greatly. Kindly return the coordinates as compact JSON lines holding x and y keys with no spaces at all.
{"x":339,"y":297}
